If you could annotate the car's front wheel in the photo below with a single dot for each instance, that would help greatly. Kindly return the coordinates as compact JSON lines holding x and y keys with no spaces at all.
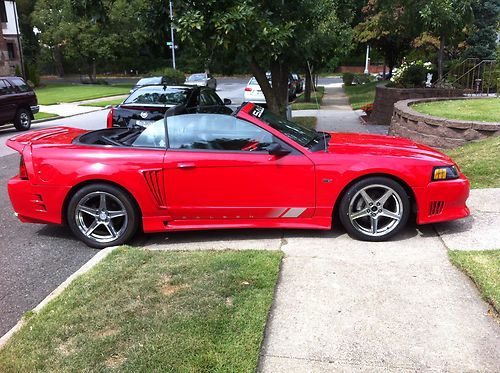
{"x":22,"y":121}
{"x":374,"y":209}
{"x":102,"y":215}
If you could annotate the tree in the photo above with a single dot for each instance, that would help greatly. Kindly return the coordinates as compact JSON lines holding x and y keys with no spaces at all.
{"x":444,"y":19}
{"x":271,"y":33}
{"x":482,"y":41}
{"x":92,"y":31}
{"x":389,"y":26}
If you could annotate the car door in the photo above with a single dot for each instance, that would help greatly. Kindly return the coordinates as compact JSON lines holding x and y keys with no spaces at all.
{"x":7,"y":102}
{"x":217,"y":167}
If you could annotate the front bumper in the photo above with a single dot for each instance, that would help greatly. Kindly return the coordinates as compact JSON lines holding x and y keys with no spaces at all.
{"x":36,"y":203}
{"x":443,"y":200}
{"x":35,"y":109}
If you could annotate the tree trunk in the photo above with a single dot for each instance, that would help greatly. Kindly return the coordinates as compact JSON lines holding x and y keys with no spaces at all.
{"x":279,"y":74}
{"x":276,"y":94}
{"x":441,"y":57}
{"x":57,"y":57}
{"x":308,"y":87}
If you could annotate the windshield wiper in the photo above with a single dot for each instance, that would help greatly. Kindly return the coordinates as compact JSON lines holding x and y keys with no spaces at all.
{"x":320,"y":135}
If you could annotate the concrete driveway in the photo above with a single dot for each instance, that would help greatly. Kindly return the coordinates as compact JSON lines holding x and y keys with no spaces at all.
{"x":346,"y":305}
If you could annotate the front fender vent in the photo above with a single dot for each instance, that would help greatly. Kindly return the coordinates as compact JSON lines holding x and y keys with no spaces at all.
{"x":436,"y":207}
{"x":154,"y":180}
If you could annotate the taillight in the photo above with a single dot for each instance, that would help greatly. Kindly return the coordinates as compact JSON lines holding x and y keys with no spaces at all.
{"x":248,"y":89}
{"x":109,"y":122}
{"x":23,"y":172}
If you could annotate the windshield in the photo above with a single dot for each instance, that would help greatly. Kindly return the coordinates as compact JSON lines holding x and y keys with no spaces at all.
{"x":159,"y":95}
{"x":195,"y":77}
{"x":146,"y":81}
{"x":302,"y":135}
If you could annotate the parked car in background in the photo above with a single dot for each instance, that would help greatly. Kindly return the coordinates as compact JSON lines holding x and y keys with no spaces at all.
{"x":202,"y":80}
{"x":18,"y":103}
{"x":253,"y":92}
{"x":150,"y":103}
{"x":299,"y":83}
{"x":149,"y":81}
{"x":253,"y":169}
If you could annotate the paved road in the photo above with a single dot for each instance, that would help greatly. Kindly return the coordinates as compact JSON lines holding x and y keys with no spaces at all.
{"x":34,"y":259}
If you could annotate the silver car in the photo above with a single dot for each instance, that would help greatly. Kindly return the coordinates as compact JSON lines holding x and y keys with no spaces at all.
{"x":202,"y":80}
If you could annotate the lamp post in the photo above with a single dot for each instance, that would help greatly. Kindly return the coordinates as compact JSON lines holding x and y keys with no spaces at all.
{"x":172,"y":34}
{"x":367,"y":61}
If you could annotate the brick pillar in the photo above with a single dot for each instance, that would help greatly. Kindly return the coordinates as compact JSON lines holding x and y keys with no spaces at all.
{"x":4,"y":63}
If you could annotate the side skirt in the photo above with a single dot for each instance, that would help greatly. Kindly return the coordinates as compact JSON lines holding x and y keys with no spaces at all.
{"x":159,"y":224}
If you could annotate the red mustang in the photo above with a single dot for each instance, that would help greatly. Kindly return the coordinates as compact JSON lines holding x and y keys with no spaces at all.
{"x":210,"y":171}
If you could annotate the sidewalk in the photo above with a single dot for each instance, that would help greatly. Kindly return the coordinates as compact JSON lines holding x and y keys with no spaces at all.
{"x":336,"y":114}
{"x":73,"y":108}
{"x":346,"y":305}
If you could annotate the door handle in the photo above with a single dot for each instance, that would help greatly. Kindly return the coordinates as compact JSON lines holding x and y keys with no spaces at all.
{"x":186,"y":165}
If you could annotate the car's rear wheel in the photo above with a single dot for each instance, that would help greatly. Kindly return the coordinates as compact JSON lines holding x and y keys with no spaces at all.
{"x":22,"y":121}
{"x":374,"y":209}
{"x":102,"y":215}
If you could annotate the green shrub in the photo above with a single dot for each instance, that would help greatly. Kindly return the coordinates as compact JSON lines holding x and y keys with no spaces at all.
{"x":173,"y":77}
{"x":348,"y":78}
{"x":18,"y":71}
{"x":32,"y":74}
{"x":363,"y":78}
{"x":412,"y":75}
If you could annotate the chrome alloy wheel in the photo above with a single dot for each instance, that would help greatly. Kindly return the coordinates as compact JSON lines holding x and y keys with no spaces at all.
{"x":24,"y":119}
{"x":101,"y":216}
{"x":375,"y":210}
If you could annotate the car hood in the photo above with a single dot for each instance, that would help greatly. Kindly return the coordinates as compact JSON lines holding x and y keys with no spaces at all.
{"x":382,"y":145}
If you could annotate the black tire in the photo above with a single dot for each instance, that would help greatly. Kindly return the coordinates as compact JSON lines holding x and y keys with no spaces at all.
{"x":22,"y":121}
{"x":116,"y":201}
{"x":367,"y":216}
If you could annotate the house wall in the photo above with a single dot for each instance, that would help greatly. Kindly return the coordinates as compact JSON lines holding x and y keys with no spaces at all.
{"x":8,"y":35}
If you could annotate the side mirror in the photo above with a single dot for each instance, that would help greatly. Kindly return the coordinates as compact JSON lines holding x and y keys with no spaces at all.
{"x":277,"y":150}
{"x":227,"y":101}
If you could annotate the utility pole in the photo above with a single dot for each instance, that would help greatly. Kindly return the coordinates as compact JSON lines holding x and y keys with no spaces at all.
{"x":173,"y":46}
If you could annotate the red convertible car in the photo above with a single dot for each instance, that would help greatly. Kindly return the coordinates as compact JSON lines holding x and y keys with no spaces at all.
{"x":210,"y":171}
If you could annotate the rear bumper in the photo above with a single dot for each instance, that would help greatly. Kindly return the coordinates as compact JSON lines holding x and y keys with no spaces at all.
{"x":36,"y":203}
{"x":442,"y":201}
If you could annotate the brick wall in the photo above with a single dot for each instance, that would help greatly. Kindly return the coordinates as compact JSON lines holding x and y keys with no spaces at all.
{"x":437,"y":132}
{"x":385,"y":98}
{"x":4,"y":63}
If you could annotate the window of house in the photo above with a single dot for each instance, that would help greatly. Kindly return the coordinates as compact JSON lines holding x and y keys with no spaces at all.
{"x":11,"y":50}
{"x":3,"y":11}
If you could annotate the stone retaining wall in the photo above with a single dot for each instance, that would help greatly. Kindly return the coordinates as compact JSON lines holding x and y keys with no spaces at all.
{"x":385,"y":98}
{"x":437,"y":132}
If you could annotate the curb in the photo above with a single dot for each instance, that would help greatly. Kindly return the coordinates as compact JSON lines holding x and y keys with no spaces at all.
{"x":62,"y":117}
{"x":96,"y":259}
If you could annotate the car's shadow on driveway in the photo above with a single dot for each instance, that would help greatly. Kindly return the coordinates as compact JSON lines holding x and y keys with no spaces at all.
{"x":267,"y":239}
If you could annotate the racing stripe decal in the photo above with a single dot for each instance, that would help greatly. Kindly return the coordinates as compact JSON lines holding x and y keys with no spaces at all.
{"x":293,"y":212}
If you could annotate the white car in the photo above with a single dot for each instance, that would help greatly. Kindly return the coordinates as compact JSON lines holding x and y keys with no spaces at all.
{"x":253,"y":93}
{"x":202,"y":80}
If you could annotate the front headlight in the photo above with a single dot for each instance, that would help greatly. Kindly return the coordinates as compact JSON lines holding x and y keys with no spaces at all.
{"x":444,"y":173}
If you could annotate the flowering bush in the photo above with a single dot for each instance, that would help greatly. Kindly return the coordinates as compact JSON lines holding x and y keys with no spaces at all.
{"x":368,"y":108}
{"x":411,"y":74}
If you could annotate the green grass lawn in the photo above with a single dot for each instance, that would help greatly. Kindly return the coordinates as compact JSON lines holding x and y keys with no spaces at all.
{"x":105,"y":103}
{"x":44,"y":115}
{"x":483,"y":267}
{"x":57,"y":93}
{"x":309,"y":122}
{"x":479,"y":161}
{"x":146,"y":311}
{"x":483,"y":110}
{"x":299,"y":103}
{"x":360,"y":95}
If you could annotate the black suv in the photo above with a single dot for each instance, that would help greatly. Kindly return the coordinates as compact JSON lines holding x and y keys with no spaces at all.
{"x":18,"y":102}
